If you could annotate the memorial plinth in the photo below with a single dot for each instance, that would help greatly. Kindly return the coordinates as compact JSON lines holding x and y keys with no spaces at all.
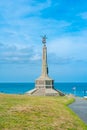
{"x":44,"y":85}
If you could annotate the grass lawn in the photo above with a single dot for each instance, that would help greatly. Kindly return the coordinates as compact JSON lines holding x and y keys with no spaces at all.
{"x":22,"y":112}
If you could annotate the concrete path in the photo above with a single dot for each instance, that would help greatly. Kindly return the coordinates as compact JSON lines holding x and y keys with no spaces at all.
{"x":80,"y":108}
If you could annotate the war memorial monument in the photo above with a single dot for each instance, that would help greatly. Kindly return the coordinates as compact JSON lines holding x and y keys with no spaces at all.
{"x":44,"y":85}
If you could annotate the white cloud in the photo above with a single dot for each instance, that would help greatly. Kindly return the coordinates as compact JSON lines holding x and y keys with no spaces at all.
{"x":64,"y":48}
{"x":69,"y":46}
{"x":83,"y":15}
{"x":22,"y":34}
{"x":11,"y":10}
{"x":18,"y":53}
{"x":35,"y":57}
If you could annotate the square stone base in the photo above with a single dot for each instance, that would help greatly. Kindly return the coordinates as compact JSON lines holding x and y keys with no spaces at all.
{"x":44,"y":92}
{"x":40,"y":83}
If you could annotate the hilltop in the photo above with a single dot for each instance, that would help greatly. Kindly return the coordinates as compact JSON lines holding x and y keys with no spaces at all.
{"x":22,"y":112}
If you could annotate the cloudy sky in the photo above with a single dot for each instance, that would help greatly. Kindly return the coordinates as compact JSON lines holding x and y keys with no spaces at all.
{"x":23,"y":22}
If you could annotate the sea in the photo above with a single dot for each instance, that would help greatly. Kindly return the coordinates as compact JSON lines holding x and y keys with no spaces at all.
{"x":78,"y":89}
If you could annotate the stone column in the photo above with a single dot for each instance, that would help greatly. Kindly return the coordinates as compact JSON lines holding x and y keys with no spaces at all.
{"x":44,"y":62}
{"x":44,"y":85}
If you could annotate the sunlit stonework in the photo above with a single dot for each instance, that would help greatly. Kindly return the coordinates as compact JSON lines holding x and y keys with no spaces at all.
{"x":44,"y":85}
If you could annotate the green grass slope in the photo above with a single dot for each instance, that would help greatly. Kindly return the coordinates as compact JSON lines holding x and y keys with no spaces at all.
{"x":22,"y":112}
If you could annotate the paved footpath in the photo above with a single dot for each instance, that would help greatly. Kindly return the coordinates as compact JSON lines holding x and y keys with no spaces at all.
{"x":80,"y":108}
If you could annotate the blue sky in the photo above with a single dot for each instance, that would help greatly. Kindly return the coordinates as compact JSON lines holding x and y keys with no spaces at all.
{"x":22,"y":22}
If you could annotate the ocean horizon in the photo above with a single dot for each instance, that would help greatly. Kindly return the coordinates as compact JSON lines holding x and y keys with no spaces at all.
{"x":78,"y":89}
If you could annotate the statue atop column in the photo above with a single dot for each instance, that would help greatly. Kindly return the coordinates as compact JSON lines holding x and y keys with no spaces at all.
{"x":44,"y":85}
{"x":44,"y":39}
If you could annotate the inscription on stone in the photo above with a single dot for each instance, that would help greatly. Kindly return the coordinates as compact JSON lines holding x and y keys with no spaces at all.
{"x":48,"y":82}
{"x":40,"y":82}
